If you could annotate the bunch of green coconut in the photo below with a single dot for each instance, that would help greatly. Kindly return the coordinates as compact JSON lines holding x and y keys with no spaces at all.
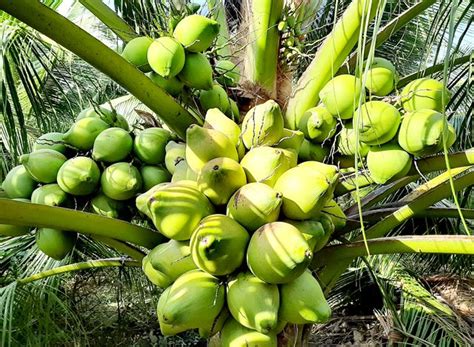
{"x":97,"y":166}
{"x":180,"y":66}
{"x":244,"y":215}
{"x":386,"y":131}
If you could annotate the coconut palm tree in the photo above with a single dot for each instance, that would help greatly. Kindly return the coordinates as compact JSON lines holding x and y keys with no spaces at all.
{"x":287,"y":51}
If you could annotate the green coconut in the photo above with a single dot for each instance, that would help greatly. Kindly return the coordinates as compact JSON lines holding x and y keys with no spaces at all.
{"x":317,"y":124}
{"x":14,"y":230}
{"x":305,"y":192}
{"x":278,"y":253}
{"x":43,"y":165}
{"x":381,"y":78}
{"x":291,"y":139}
{"x":196,"y":33}
{"x":341,"y":95}
{"x":214,"y":98}
{"x":18,"y":183}
{"x":347,"y":143}
{"x":329,"y":171}
{"x":166,"y":56}
{"x":233,"y":111}
{"x":311,"y":229}
{"x":79,"y":176}
{"x":421,"y":132}
{"x":105,"y":206}
{"x":172,"y":86}
{"x":111,"y":117}
{"x":425,"y":93}
{"x":266,"y":164}
{"x":83,"y":132}
{"x":312,"y":151}
{"x":219,"y":178}
{"x":194,"y":300}
{"x":54,"y":243}
{"x":218,"y":245}
{"x":262,"y":125}
{"x":228,"y":74}
{"x":153,"y":175}
{"x":196,"y":72}
{"x":177,"y":208}
{"x":254,"y":205}
{"x":175,"y":152}
{"x":149,"y":145}
{"x":234,"y":334}
{"x":377,"y":122}
{"x":388,"y":162}
{"x":335,"y":212}
{"x":49,"y":194}
{"x":204,"y":144}
{"x":183,"y":172}
{"x":253,"y":303}
{"x":135,"y":52}
{"x":303,"y":301}
{"x":121,"y":181}
{"x":112,"y":145}
{"x":170,"y":260}
{"x":54,"y":141}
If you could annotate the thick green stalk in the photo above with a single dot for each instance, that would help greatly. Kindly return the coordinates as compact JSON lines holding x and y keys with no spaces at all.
{"x":121,"y":246}
{"x":25,"y":213}
{"x":217,"y":9}
{"x":388,"y":30}
{"x":330,"y":56}
{"x":107,"y":16}
{"x":81,"y":43}
{"x":421,"y":198}
{"x":432,"y":69}
{"x":441,"y":244}
{"x":261,"y":61}
{"x":91,"y":264}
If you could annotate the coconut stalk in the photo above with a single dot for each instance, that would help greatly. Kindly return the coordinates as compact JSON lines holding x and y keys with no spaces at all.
{"x":438,"y":244}
{"x":91,"y":264}
{"x":27,"y":214}
{"x":261,"y":60}
{"x":122,"y":247}
{"x":330,"y":56}
{"x":419,"y":199}
{"x":107,"y":16}
{"x":91,"y":50}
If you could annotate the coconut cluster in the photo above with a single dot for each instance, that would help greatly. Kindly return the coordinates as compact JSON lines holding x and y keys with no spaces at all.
{"x":98,"y":165}
{"x":179,"y":64}
{"x":385,"y":131}
{"x":244,"y":215}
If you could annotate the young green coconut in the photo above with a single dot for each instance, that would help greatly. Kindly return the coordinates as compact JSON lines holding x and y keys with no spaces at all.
{"x":218,"y":245}
{"x":377,"y":122}
{"x":79,"y":176}
{"x":421,"y":133}
{"x":150,"y":145}
{"x":196,"y":33}
{"x":174,"y":153}
{"x":214,"y":98}
{"x":262,"y":125}
{"x":112,"y":145}
{"x":278,"y":253}
{"x":105,"y":206}
{"x":341,"y":95}
{"x":49,"y":194}
{"x":54,"y":243}
{"x":166,"y":56}
{"x":235,"y":334}
{"x":153,"y":175}
{"x":318,"y":124}
{"x":254,"y":205}
{"x":196,"y":72}
{"x":312,"y":151}
{"x":388,"y":162}
{"x":43,"y":165}
{"x":18,"y":184}
{"x":381,"y":78}
{"x":54,"y":141}
{"x":291,"y":139}
{"x":253,"y":303}
{"x":121,"y":181}
{"x":135,"y":52}
{"x":219,"y":178}
{"x":84,"y":131}
{"x":111,"y":117}
{"x":347,"y":144}
{"x":172,"y":85}
{"x":425,"y":93}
